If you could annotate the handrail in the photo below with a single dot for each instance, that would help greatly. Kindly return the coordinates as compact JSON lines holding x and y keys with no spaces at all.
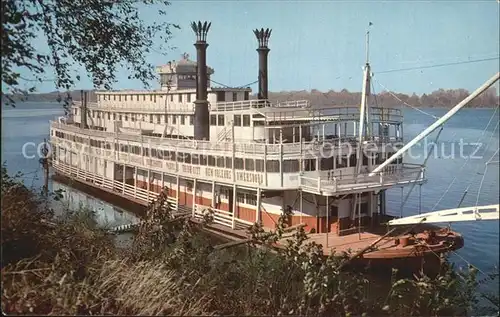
{"x":187,"y":144}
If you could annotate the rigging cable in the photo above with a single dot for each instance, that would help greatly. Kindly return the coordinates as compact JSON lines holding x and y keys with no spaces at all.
{"x":486,"y":166}
{"x":438,"y":65}
{"x":466,"y":162}
{"x":403,"y":102}
{"x":424,"y":163}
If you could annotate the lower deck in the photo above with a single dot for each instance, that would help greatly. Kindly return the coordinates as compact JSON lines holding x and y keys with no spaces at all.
{"x":233,"y":225}
{"x":237,"y":206}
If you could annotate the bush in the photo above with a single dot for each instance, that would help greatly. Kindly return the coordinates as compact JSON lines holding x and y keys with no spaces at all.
{"x":70,"y":266}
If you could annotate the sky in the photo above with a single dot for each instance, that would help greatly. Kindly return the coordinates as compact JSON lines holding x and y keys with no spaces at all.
{"x":321,"y":44}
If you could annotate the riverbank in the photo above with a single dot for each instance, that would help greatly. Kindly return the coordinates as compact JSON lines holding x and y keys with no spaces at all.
{"x":70,"y":266}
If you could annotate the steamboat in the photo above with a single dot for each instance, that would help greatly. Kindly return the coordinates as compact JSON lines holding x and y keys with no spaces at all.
{"x":248,"y":160}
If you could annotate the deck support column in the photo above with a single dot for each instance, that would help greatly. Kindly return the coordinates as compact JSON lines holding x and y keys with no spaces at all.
{"x":300,"y":205}
{"x":265,"y":163}
{"x":177,"y":190}
{"x":281,"y":157}
{"x":233,"y":224}
{"x":194,"y":196}
{"x":301,"y":162}
{"x":213,"y":195}
{"x":402,"y":194}
{"x":135,"y":181}
{"x":123,"y":184}
{"x":148,"y":185}
{"x":163,"y":182}
{"x":259,"y":199}
{"x":327,"y":207}
{"x":420,"y":199}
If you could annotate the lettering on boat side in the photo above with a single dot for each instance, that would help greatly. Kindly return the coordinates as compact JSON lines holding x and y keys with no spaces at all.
{"x":249,"y":177}
{"x":219,"y":173}
{"x":170,"y":165}
{"x":191,"y":169}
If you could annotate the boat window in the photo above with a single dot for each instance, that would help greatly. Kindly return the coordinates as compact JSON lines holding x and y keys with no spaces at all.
{"x":119,"y":97}
{"x":114,"y":116}
{"x":259,"y":165}
{"x":327,"y":164}
{"x":191,"y":120}
{"x":229,"y":162}
{"x":240,"y":198}
{"x":183,"y":120}
{"x":310,"y":165}
{"x":220,"y":120}
{"x":203,"y":160}
{"x":153,"y":153}
{"x":143,"y":97}
{"x":158,"y":118}
{"x":237,"y":120}
{"x":180,"y":157}
{"x":174,"y":119}
{"x":246,"y":120}
{"x":150,"y":118}
{"x":195,"y":159}
{"x":154,"y":98}
{"x":220,"y":161}
{"x":132,"y":117}
{"x":258,"y":123}
{"x":221,"y":96}
{"x":120,"y":118}
{"x":251,"y":199}
{"x":235,"y":96}
{"x":126,"y":117}
{"x":249,"y":165}
{"x":290,"y":166}
{"x":352,"y":161}
{"x":211,"y":160}
{"x":125,"y":97}
{"x":247,"y":95}
{"x":145,"y":152}
{"x":172,"y":156}
{"x":171,"y":97}
{"x":109,"y":115}
{"x":114,"y":97}
{"x":238,"y":163}
{"x":188,"y":97}
{"x":187,"y":158}
{"x":213,"y":120}
{"x":273,"y":166}
{"x":342,"y":161}
{"x":180,"y":97}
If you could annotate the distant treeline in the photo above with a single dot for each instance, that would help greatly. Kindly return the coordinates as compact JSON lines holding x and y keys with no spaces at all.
{"x":440,"y":98}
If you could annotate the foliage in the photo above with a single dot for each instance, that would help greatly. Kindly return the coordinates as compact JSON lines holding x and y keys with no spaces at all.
{"x":174,"y":268}
{"x":439,"y":98}
{"x":101,"y":36}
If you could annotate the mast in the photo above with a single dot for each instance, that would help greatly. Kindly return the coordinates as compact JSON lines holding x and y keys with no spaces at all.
{"x":438,"y":123}
{"x":362,"y":132}
{"x":363,"y":111}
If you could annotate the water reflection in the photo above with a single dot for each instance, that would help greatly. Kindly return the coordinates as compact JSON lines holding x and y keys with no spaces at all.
{"x":106,"y":215}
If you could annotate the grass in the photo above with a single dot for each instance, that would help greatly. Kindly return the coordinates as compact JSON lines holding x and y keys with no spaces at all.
{"x":68,"y":265}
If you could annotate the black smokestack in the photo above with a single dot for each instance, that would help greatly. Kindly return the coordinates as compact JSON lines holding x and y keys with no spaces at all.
{"x":263,"y":38}
{"x":83,"y":110}
{"x":201,"y":115}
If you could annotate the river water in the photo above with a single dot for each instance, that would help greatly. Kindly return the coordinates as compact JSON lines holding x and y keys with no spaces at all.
{"x":449,"y":175}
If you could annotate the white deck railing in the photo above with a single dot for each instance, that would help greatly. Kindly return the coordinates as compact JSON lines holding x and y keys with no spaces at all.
{"x":115,"y":186}
{"x":250,"y":148}
{"x":404,"y":174}
{"x":221,"y":217}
